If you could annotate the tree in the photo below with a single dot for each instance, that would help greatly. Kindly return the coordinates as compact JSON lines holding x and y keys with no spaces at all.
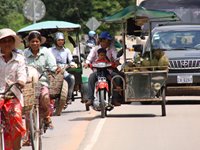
{"x":11,"y":14}
{"x":76,"y":11}
{"x":80,"y":11}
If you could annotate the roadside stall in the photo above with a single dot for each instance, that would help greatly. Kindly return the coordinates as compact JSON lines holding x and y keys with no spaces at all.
{"x":144,"y":80}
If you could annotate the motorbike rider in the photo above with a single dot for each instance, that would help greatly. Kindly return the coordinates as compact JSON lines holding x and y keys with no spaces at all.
{"x":102,"y":58}
{"x":90,"y":43}
{"x":92,"y":39}
{"x":105,"y":41}
{"x":64,"y":59}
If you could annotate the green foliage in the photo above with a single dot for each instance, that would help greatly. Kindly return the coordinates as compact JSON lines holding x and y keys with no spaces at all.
{"x":76,"y":11}
{"x":11,"y":14}
{"x":17,"y":21}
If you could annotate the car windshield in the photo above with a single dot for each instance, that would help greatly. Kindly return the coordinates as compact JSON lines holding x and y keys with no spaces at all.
{"x":176,"y":40}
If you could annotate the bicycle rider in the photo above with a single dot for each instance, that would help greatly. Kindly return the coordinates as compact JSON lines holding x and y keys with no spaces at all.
{"x":12,"y":70}
{"x":41,"y":58}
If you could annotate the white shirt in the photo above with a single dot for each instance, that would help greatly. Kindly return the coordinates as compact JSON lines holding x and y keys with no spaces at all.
{"x":11,"y":72}
{"x":93,"y":55}
{"x":63,"y":56}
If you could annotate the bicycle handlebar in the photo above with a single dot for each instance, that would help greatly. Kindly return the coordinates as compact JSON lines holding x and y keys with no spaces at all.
{"x":47,"y":70}
{"x":9,"y":88}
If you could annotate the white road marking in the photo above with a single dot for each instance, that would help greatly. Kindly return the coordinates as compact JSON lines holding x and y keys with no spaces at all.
{"x":96,"y":134}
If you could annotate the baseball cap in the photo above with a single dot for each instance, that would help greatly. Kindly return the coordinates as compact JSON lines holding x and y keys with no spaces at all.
{"x":105,"y":35}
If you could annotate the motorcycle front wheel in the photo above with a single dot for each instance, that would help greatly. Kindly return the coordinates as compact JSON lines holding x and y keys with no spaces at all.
{"x":102,"y":97}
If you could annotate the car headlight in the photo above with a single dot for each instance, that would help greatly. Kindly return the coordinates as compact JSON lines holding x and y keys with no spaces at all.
{"x":157,"y":86}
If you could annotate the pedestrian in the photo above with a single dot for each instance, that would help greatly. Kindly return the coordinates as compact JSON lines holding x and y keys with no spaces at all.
{"x":12,"y":70}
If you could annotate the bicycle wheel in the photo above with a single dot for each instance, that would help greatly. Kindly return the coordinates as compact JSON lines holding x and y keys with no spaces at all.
{"x":2,"y":142}
{"x":36,"y":140}
{"x":102,"y":96}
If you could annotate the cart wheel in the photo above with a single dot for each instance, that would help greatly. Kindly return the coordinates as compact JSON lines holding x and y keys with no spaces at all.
{"x":163,"y":103}
{"x":36,"y":140}
{"x":84,"y":89}
{"x":102,"y":96}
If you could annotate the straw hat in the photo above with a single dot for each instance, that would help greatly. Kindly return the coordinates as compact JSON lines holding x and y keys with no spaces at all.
{"x":43,"y":39}
{"x":5,"y":32}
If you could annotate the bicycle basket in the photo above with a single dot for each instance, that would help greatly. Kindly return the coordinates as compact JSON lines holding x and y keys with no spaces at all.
{"x":29,"y":96}
{"x":55,"y":87}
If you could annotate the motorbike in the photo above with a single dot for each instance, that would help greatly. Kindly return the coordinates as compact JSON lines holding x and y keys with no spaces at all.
{"x":102,"y":101}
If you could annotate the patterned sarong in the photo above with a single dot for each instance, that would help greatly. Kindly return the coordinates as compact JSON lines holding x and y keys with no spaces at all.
{"x":12,"y":112}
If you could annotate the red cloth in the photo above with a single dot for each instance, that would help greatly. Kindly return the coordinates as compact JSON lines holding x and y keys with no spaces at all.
{"x":12,"y":112}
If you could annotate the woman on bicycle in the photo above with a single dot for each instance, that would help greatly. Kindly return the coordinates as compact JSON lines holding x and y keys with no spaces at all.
{"x":41,"y":58}
{"x":12,"y":70}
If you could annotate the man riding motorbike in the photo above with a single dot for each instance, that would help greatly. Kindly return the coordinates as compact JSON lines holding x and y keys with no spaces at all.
{"x":64,"y":59}
{"x":105,"y":41}
{"x":91,"y":42}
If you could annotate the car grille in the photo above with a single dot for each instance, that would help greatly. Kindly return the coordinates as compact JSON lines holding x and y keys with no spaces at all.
{"x":184,"y":64}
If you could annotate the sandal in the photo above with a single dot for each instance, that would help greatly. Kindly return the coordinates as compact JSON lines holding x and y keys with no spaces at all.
{"x":26,"y":142}
{"x":48,"y":123}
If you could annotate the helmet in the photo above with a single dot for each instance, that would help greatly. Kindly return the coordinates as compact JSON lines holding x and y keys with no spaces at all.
{"x":105,"y":35}
{"x":59,"y":36}
{"x":92,"y":33}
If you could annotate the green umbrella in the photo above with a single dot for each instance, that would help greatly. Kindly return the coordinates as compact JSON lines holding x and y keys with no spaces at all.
{"x":137,"y":11}
{"x":51,"y":26}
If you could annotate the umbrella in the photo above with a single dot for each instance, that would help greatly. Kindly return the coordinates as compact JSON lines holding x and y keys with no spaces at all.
{"x":142,"y":15}
{"x":49,"y":27}
{"x":141,"y":12}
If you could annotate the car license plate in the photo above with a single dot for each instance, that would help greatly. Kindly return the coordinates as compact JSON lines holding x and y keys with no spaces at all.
{"x":185,"y":79}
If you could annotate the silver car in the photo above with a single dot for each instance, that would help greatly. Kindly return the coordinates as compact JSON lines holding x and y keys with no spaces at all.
{"x":181,"y":44}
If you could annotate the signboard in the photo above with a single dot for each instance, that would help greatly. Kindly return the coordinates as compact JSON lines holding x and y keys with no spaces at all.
{"x":34,"y":10}
{"x":93,"y":24}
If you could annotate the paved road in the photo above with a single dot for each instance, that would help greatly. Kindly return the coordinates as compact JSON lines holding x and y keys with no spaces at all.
{"x":141,"y":127}
{"x":128,"y":127}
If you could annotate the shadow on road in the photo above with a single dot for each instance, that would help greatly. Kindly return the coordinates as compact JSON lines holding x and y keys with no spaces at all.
{"x":85,"y":118}
{"x":130,"y":115}
{"x":175,"y":102}
{"x":73,"y":111}
{"x":183,"y":102}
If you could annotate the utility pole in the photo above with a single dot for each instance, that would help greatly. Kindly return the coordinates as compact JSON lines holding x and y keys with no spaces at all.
{"x":34,"y":17}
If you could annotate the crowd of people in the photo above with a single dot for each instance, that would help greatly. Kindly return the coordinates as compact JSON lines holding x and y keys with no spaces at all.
{"x":56,"y":58}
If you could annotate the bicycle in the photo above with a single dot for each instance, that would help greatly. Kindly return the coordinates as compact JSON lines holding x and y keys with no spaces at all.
{"x":31,"y":105}
{"x":6,"y":95}
{"x":35,"y":123}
